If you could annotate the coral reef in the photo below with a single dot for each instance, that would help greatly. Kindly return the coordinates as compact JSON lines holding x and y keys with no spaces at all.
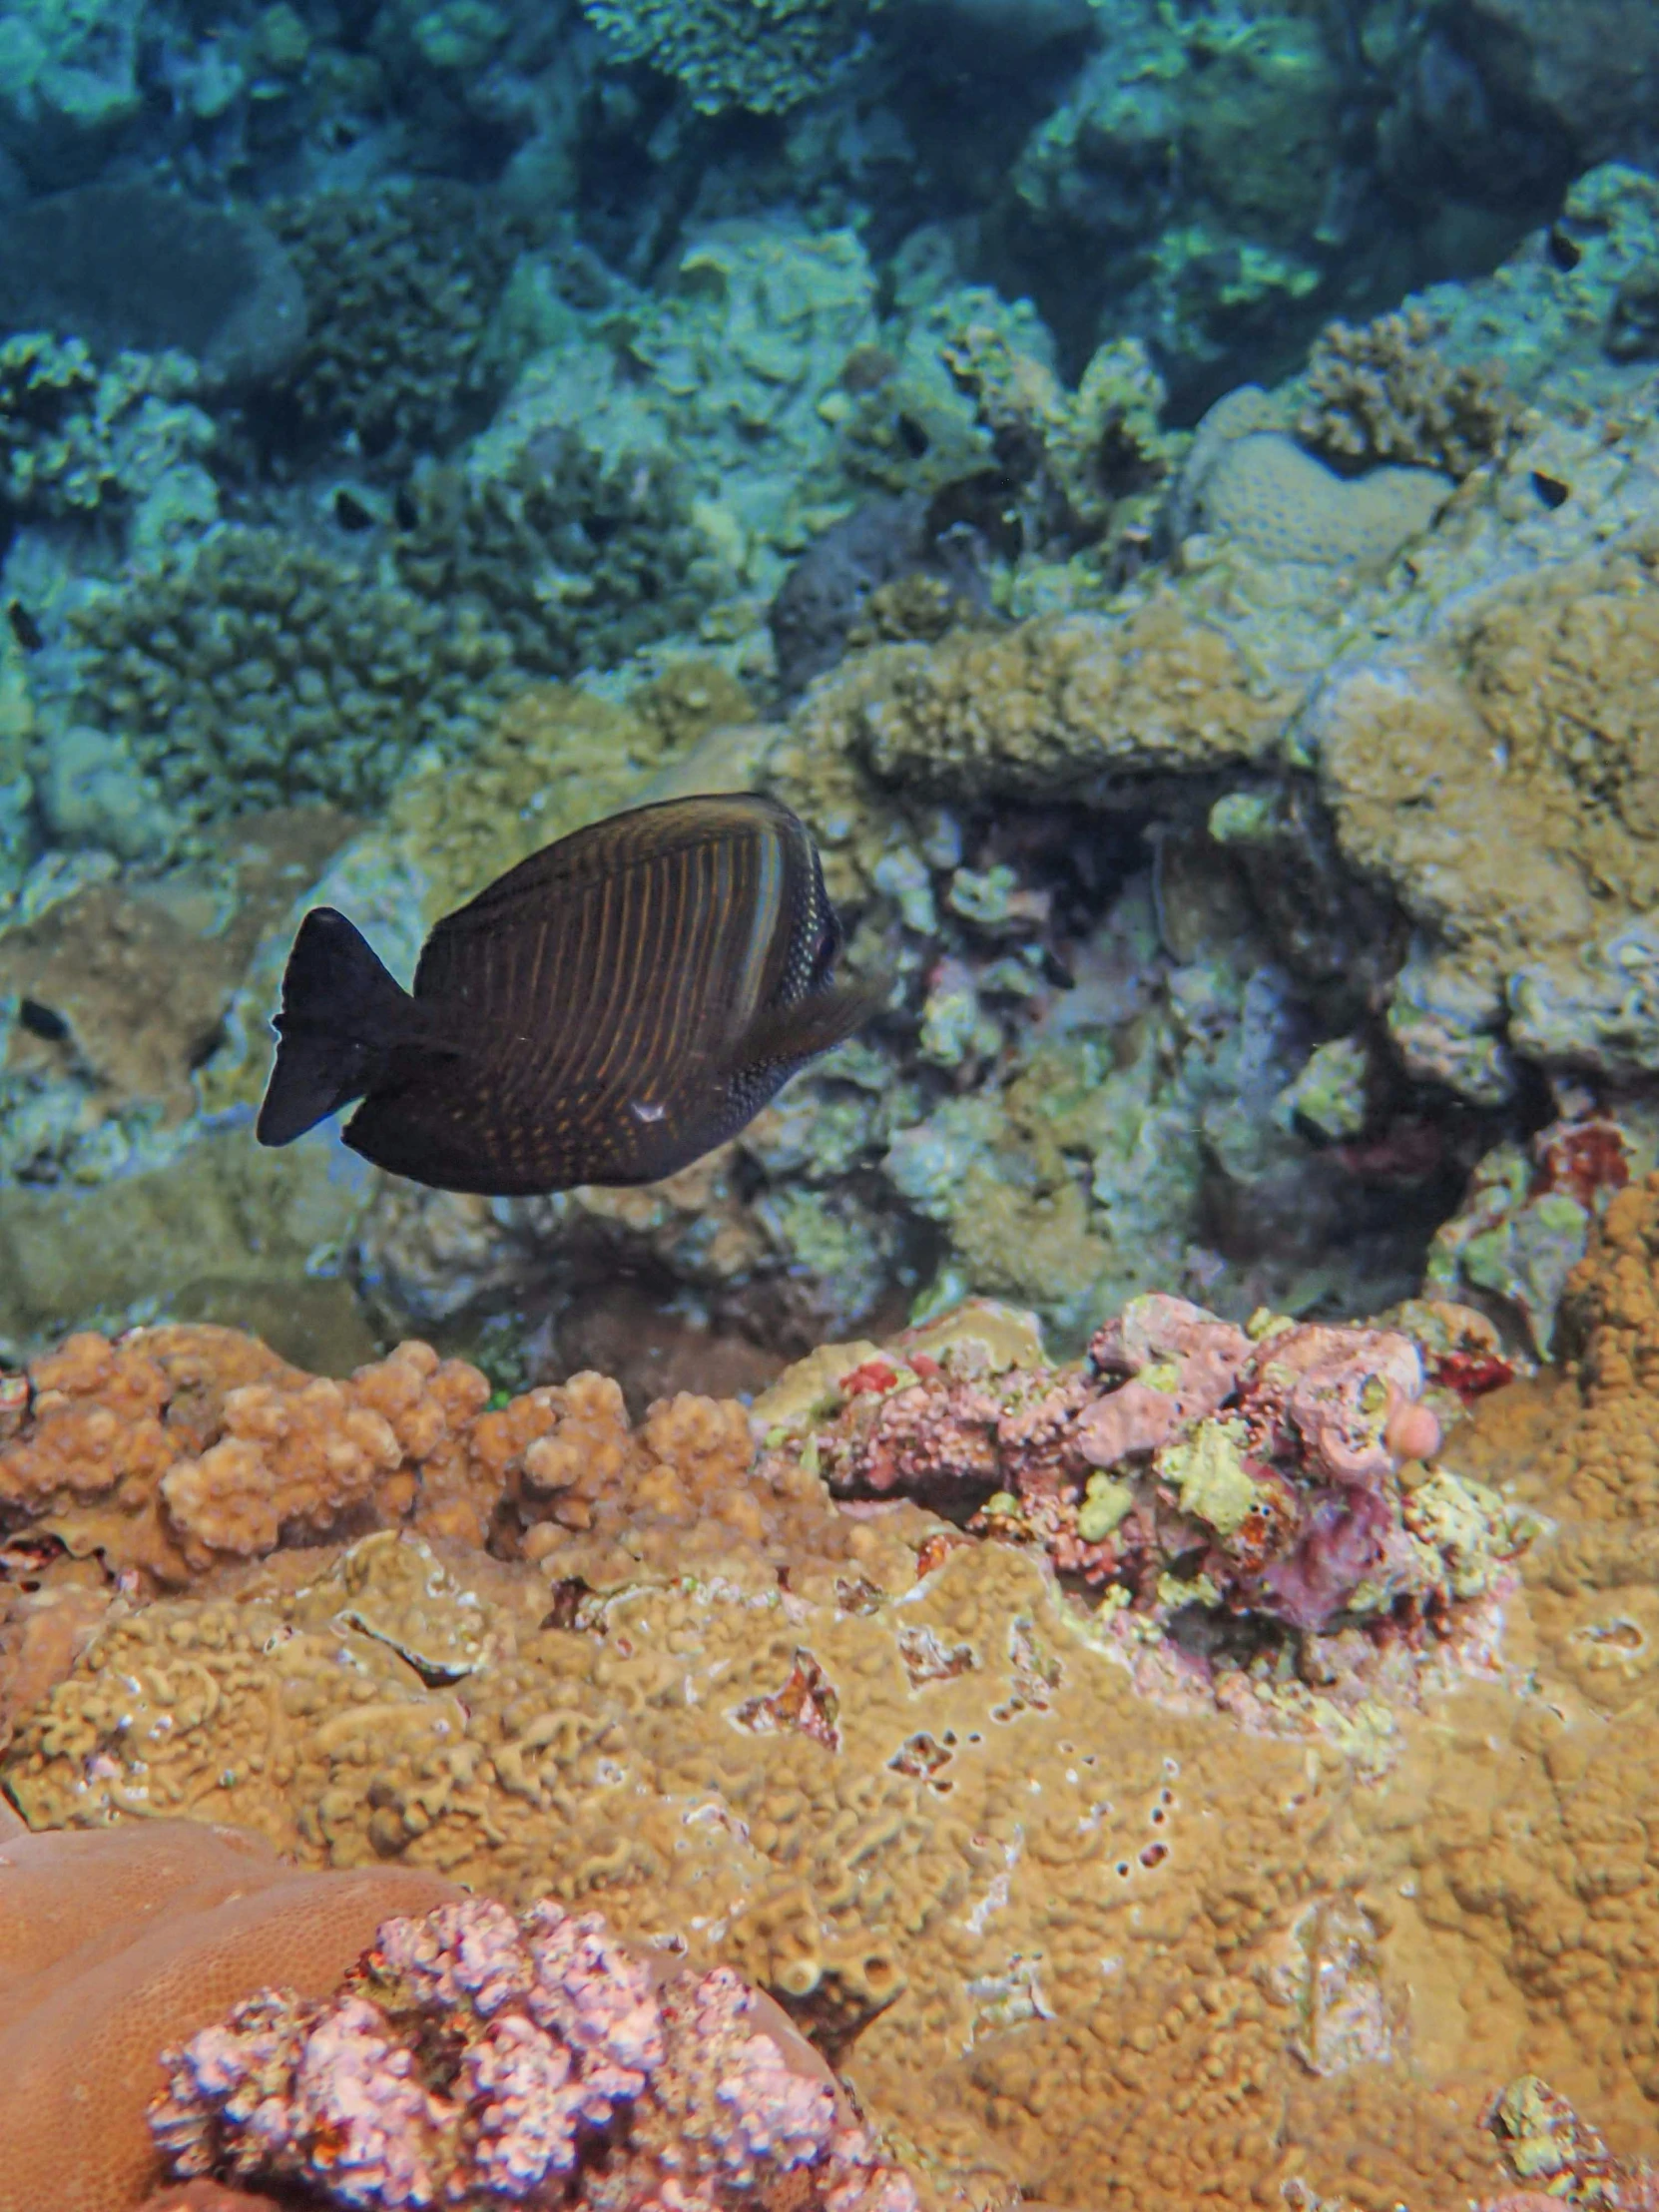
{"x":764,"y":58}
{"x":182,"y":1444}
{"x":129,"y":267}
{"x":885,"y":1769}
{"x":733,"y":369}
{"x":1497,"y":776}
{"x":73,"y":435}
{"x":1247,"y":481}
{"x":469,"y":2058}
{"x":122,"y":988}
{"x":1190,"y":1463}
{"x":575,"y":557}
{"x":882,"y":1769}
{"x":1526,"y":1218}
{"x":1383,"y":393}
{"x":1049,"y":707}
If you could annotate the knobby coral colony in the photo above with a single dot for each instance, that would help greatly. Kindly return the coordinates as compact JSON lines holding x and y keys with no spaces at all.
{"x":472,"y":2060}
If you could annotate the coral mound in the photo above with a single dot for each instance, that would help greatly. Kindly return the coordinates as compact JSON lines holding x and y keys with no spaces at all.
{"x":472,"y":2061}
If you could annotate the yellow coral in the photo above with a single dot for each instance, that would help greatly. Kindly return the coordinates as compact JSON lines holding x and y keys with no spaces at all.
{"x":1502,"y":783}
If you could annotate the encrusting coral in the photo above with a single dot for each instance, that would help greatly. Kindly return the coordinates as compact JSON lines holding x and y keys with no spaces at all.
{"x":471,"y":2060}
{"x":1501,"y":779}
{"x":1251,"y":1908}
{"x":1038,"y":712}
{"x":884,"y":1769}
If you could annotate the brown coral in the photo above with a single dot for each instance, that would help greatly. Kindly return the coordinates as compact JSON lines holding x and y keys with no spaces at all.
{"x":1501,"y":781}
{"x":1066,"y":1923}
{"x":1382,"y":392}
{"x":1044,"y":709}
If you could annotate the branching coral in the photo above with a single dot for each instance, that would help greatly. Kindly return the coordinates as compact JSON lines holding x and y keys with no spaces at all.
{"x":259,"y":669}
{"x":1383,"y":393}
{"x":765,"y":55}
{"x":471,"y":2060}
{"x":113,"y":1945}
{"x":400,"y":284}
{"x":74,"y":436}
{"x":1095,"y":458}
{"x":575,"y":557}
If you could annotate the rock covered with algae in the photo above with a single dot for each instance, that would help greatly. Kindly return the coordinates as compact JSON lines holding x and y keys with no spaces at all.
{"x":1188,"y":1464}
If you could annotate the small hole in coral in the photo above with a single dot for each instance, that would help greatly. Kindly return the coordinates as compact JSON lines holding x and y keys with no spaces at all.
{"x":1564,"y":250}
{"x":1550,"y":489}
{"x":1153,"y":1855}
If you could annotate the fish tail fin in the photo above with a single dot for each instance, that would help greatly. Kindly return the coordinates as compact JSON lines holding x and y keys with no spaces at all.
{"x":343,"y":1017}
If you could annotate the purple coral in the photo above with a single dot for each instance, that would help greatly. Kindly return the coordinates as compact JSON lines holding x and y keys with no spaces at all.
{"x":471,"y":2056}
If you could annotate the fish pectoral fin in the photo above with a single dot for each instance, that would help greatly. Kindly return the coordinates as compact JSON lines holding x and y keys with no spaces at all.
{"x":791,"y":1034}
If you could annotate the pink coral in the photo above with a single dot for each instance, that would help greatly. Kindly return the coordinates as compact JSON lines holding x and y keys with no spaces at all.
{"x":1188,"y":1461}
{"x":469,"y":2058}
{"x":1196,"y":1361}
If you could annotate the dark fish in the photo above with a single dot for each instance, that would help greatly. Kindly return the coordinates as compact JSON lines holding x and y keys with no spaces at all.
{"x":606,"y":1012}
